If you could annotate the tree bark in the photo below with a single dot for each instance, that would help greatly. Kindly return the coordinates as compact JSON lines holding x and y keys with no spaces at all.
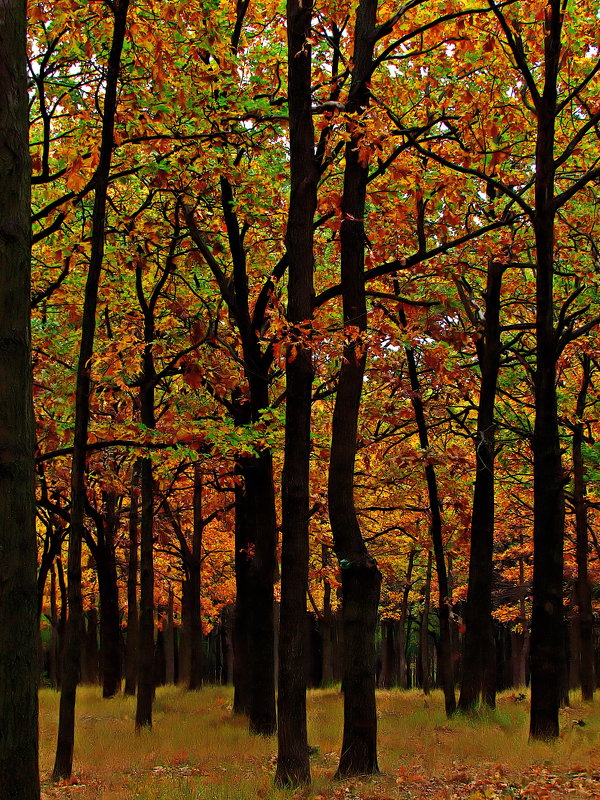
{"x":547,"y":636}
{"x":19,"y":621}
{"x":111,"y":645}
{"x":293,"y":767}
{"x":424,"y":667}
{"x":444,"y":599}
{"x":361,"y":579}
{"x":194,"y":587}
{"x":131,"y":647}
{"x":583,"y":617}
{"x":63,"y":763}
{"x":479,"y":653}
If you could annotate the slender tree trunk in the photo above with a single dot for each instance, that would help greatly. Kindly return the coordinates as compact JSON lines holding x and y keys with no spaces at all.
{"x":194,"y":587}
{"x":169,"y":637}
{"x":131,"y":648}
{"x":111,"y":646}
{"x":90,"y":660}
{"x":547,"y":635}
{"x":145,"y":689}
{"x":424,"y":671}
{"x":63,"y":763}
{"x":444,"y":603}
{"x":479,"y":657}
{"x":293,"y":767}
{"x":403,"y":625}
{"x":243,"y":543}
{"x":583,"y":618}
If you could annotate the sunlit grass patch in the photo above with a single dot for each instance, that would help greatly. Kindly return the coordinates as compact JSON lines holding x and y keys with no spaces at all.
{"x":197,"y":749}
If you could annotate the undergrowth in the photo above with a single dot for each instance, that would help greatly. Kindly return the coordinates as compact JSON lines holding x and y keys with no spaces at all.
{"x":197,"y":750}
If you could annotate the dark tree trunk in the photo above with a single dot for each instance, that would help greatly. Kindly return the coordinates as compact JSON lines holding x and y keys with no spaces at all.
{"x":293,"y":767}
{"x":145,"y":659}
{"x":479,"y":658}
{"x":444,"y":603}
{"x":423,"y":665}
{"x":547,"y":635}
{"x":111,"y":646}
{"x":19,"y":620}
{"x":402,"y":679}
{"x":389,"y":654}
{"x":361,"y":579}
{"x":54,"y":653}
{"x":583,"y":618}
{"x":169,"y":637}
{"x":90,"y":660}
{"x":194,"y":587}
{"x":63,"y":764}
{"x":258,"y":477}
{"x":243,"y":542}
{"x":131,"y":648}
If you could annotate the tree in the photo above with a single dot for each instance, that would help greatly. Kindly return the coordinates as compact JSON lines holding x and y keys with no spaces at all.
{"x":292,"y":761}
{"x":19,"y":773}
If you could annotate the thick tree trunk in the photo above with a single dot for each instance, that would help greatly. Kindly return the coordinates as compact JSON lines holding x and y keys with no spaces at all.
{"x":258,"y":476}
{"x":293,"y":767}
{"x":583,"y":617}
{"x":479,"y":657}
{"x":19,"y":621}
{"x":63,"y":764}
{"x":131,"y":648}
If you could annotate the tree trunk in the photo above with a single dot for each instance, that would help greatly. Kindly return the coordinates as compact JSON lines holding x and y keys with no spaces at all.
{"x":547,"y":636}
{"x":444,"y":602}
{"x":19,"y":620}
{"x":402,"y":679}
{"x":583,"y":617}
{"x":111,"y":646}
{"x":194,"y":587}
{"x":424,"y":667}
{"x":361,"y":579}
{"x":169,"y":637}
{"x":479,"y":657}
{"x":63,"y":763}
{"x":145,"y":659}
{"x":293,"y":767}
{"x":258,"y":476}
{"x":243,"y":543}
{"x":131,"y":648}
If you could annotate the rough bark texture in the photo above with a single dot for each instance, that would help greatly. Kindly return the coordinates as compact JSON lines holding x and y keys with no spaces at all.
{"x":63,"y":764}
{"x":361,"y":579}
{"x":293,"y":767}
{"x":479,"y":653}
{"x":19,"y":775}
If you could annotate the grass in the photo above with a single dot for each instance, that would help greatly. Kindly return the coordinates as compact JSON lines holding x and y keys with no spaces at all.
{"x":198,"y":751}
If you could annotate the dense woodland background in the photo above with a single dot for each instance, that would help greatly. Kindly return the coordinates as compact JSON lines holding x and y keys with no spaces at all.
{"x":315,"y":342}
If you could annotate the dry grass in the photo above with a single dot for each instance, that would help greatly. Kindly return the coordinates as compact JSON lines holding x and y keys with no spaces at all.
{"x":198,"y":751}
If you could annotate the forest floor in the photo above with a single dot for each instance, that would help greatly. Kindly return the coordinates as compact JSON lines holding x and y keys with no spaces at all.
{"x":197,"y":750}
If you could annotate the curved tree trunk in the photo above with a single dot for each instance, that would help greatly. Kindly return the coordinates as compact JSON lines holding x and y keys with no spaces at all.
{"x":19,"y":659}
